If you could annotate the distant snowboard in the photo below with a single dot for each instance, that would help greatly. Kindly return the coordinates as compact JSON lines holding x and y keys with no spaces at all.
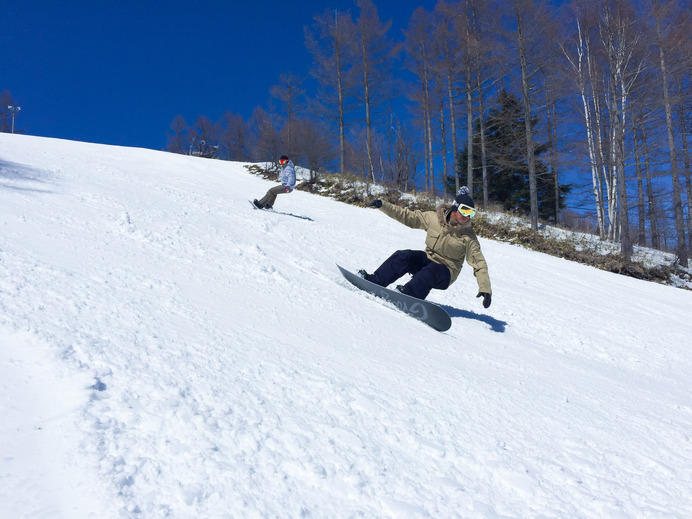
{"x":430,"y":313}
{"x":279,"y":212}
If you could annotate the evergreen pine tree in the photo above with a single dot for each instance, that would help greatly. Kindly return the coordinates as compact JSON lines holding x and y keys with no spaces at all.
{"x":508,"y":172}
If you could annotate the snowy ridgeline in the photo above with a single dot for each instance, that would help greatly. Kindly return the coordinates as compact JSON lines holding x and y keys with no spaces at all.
{"x":167,"y":351}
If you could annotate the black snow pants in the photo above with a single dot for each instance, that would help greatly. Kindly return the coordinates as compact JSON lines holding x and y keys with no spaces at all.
{"x":426,"y":273}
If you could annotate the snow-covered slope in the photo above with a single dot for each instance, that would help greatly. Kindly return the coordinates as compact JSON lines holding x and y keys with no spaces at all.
{"x":167,"y":351}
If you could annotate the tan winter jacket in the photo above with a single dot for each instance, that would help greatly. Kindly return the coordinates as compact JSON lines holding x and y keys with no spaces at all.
{"x":446,"y":243}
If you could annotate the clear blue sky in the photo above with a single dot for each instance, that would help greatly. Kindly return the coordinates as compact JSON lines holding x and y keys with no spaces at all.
{"x":119,"y":71}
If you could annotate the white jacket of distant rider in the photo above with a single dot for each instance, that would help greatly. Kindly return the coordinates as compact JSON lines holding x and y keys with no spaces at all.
{"x":288,"y":175}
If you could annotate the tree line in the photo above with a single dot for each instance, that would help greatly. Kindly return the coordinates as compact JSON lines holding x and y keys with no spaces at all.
{"x":507,"y":97}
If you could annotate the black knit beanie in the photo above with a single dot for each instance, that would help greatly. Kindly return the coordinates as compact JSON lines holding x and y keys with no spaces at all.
{"x":463,"y":197}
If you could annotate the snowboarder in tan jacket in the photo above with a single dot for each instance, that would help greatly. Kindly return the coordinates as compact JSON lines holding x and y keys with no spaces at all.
{"x":450,"y":240}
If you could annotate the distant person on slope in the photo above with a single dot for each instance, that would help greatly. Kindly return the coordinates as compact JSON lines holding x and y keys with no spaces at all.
{"x":450,"y":240}
{"x":288,"y":184}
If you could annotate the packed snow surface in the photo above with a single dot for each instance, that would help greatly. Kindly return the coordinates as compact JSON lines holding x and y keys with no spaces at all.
{"x":168,"y":351}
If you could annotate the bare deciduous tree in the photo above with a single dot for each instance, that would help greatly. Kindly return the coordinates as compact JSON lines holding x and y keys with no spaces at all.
{"x":177,"y":141}
{"x":289,"y":91}
{"x":265,"y":138}
{"x":448,"y":47}
{"x":375,"y":57}
{"x":521,"y":7}
{"x":233,"y":137}
{"x":332,"y":67}
{"x":580,"y":61}
{"x":666,"y":43}
{"x":420,"y":49}
{"x":620,"y":38}
{"x":314,"y":146}
{"x":607,"y":63}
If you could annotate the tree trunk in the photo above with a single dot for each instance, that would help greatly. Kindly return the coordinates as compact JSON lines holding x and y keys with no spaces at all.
{"x":641,"y":214}
{"x":602,"y":172}
{"x":443,"y":139}
{"x":552,"y":131}
{"x":577,"y":63}
{"x":469,"y":126}
{"x":340,"y":101}
{"x":530,"y":154}
{"x":677,"y":192}
{"x":484,"y":153}
{"x":453,"y":124}
{"x":686,"y":161}
{"x":651,"y":206}
{"x":368,"y":123}
{"x":430,"y":150}
{"x":619,"y":133}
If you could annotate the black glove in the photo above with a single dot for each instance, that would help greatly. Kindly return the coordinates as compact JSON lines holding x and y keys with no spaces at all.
{"x":375,"y":203}
{"x":486,"y":298}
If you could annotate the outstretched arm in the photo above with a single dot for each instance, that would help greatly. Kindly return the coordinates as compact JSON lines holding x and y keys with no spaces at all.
{"x":413,"y":219}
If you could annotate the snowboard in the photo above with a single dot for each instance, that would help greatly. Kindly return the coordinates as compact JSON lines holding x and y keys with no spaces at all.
{"x":299,"y":216}
{"x":430,"y":313}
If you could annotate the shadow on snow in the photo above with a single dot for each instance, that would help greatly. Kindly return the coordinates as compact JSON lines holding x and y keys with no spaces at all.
{"x":495,"y":324}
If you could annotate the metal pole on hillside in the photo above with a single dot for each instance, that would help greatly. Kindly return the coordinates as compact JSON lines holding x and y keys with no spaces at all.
{"x":14,"y":110}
